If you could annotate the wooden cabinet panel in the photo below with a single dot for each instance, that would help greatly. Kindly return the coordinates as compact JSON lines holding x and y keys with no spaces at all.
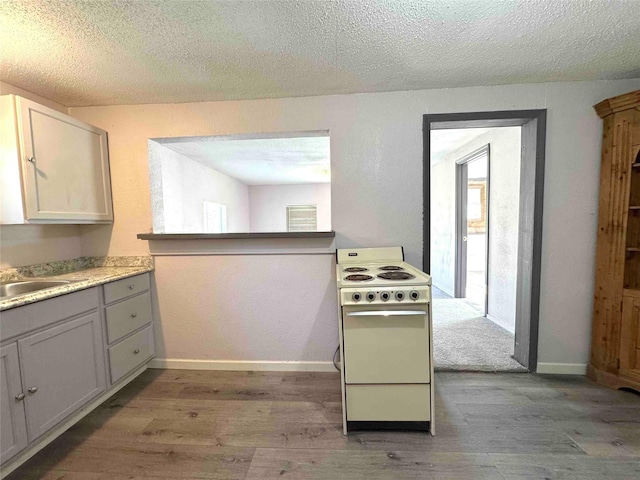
{"x":62,"y":369}
{"x":630,"y":337}
{"x":12,"y":419}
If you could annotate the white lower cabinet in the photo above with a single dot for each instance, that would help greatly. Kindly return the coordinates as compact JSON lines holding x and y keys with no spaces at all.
{"x":53,"y":355}
{"x":62,"y":369}
{"x":12,"y":417}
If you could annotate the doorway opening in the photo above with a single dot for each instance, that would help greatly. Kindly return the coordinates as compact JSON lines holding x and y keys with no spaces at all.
{"x":483,"y":188}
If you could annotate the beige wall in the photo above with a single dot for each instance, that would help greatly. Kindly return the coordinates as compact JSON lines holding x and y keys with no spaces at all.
{"x":268,"y":205}
{"x":376,"y":154}
{"x":28,"y":244}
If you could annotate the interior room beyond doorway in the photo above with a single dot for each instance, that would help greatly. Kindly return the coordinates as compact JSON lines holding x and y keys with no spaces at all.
{"x":475,"y":190}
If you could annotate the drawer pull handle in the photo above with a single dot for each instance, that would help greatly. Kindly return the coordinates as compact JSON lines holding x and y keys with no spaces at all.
{"x":32,"y":389}
{"x":134,"y":315}
{"x":136,"y":351}
{"x":131,"y":287}
{"x":20,"y":396}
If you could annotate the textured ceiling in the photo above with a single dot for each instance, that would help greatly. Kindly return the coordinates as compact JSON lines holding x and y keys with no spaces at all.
{"x":97,"y":52}
{"x":269,"y":160}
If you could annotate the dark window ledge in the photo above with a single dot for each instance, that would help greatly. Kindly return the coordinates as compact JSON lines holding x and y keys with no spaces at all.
{"x":239,"y":236}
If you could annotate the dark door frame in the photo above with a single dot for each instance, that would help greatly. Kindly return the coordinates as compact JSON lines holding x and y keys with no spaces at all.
{"x":461,"y":221}
{"x":533,"y":123}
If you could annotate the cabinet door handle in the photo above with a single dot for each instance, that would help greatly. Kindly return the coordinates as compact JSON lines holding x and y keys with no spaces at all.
{"x":31,"y":159}
{"x":136,"y":351}
{"x":32,"y":389}
{"x":134,"y":315}
{"x":20,"y":396}
{"x":131,"y":287}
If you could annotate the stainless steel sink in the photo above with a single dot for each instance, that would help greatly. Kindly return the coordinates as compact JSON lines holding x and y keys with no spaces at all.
{"x":20,"y":287}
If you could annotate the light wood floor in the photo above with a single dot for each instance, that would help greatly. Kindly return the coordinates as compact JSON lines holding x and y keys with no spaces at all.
{"x":244,"y":425}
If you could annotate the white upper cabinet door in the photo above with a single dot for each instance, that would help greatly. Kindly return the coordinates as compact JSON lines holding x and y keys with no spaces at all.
{"x":64,"y":166}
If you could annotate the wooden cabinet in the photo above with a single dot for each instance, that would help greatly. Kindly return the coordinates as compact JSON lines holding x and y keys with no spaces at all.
{"x":614,"y":348}
{"x":12,"y":417}
{"x":53,"y":169}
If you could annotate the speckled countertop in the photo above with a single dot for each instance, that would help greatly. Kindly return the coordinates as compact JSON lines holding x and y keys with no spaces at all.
{"x":84,"y":272}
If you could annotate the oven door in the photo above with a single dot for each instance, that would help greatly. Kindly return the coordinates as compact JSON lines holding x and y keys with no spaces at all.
{"x":386,"y":343}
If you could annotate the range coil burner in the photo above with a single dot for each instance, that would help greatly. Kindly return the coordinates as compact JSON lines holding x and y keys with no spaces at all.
{"x":396,"y":276}
{"x":356,"y":269}
{"x":358,"y":278}
{"x":391,"y":268}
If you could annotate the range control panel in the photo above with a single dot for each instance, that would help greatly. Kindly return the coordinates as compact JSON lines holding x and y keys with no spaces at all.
{"x":408,"y":294}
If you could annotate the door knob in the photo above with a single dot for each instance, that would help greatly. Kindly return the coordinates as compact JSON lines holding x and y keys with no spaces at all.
{"x":32,"y":389}
{"x":20,"y":396}
{"x":464,"y":239}
{"x":134,"y":315}
{"x":31,"y":159}
{"x":136,"y":351}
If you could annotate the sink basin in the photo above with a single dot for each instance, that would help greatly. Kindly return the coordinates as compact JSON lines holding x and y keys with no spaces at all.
{"x":12,"y":289}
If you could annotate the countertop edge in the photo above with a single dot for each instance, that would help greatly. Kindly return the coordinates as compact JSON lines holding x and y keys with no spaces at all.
{"x":232,"y":236}
{"x":33,"y":297}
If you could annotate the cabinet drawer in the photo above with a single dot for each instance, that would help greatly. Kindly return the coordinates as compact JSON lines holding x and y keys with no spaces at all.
{"x":394,"y":403}
{"x":125,"y":317}
{"x":130,"y":353}
{"x":126,"y":287}
{"x":21,"y":320}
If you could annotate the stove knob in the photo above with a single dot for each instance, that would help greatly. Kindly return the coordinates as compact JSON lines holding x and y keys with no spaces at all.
{"x":414,"y":295}
{"x":371,"y":296}
{"x":356,"y":297}
{"x":399,"y":296}
{"x":385,"y":296}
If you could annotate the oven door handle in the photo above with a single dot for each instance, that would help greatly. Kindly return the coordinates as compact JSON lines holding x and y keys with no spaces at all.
{"x":386,"y":313}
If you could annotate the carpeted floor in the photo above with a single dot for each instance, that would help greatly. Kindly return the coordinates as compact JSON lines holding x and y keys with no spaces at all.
{"x":463,"y":340}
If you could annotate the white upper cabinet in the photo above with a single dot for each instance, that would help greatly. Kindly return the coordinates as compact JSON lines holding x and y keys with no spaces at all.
{"x":53,"y":168}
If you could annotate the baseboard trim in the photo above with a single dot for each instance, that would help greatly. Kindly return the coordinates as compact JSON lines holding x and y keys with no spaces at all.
{"x":499,"y":322}
{"x":562,"y":368}
{"x":241,"y":365}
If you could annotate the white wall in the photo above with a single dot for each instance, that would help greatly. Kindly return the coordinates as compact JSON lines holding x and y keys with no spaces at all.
{"x":185,"y":184}
{"x":376,"y":154}
{"x":504,"y":199}
{"x":267,"y":205}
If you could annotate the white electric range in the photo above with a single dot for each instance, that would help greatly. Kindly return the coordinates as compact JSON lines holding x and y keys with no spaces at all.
{"x":386,"y":341}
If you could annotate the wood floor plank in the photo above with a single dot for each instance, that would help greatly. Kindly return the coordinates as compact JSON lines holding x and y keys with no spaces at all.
{"x":303,"y":464}
{"x":472,"y":439}
{"x":164,"y":461}
{"x":565,"y":467}
{"x":579,"y":395}
{"x":483,"y":394}
{"x":532,"y":415}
